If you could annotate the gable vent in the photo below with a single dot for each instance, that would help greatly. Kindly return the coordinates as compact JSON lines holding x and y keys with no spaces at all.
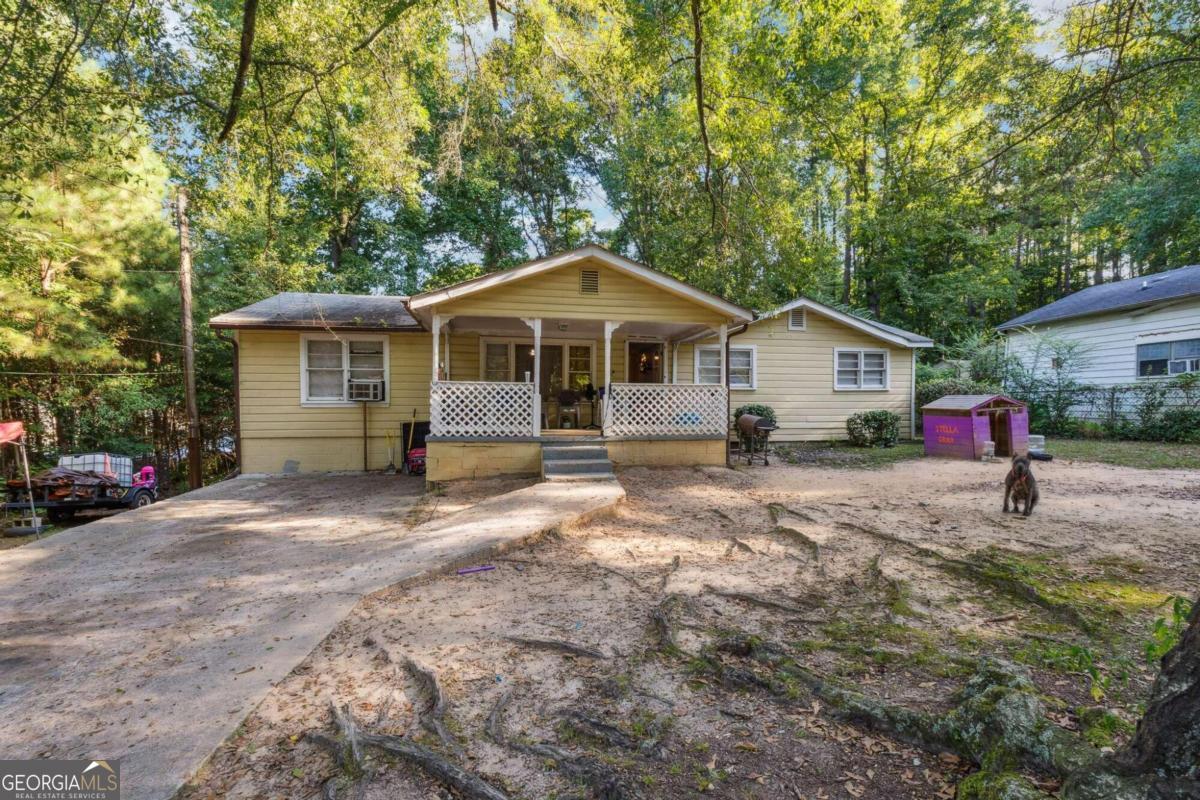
{"x":589,"y":281}
{"x":797,"y":320}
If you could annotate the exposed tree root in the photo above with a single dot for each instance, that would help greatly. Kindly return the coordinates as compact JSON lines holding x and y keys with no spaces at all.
{"x":559,"y":646}
{"x":603,"y":782}
{"x":737,"y":543}
{"x":433,"y":710}
{"x":665,"y":620}
{"x":999,"y":722}
{"x":351,"y":743}
{"x":671,"y":570}
{"x":792,"y":533}
{"x":763,"y":602}
{"x":989,"y":574}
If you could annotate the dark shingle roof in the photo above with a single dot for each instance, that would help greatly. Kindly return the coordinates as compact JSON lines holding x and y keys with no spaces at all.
{"x":335,"y":311}
{"x":966,"y":402}
{"x":915,"y":338}
{"x":1132,"y":293}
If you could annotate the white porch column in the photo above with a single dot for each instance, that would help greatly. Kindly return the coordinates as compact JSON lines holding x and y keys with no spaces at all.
{"x":723,"y":338}
{"x":674,"y":362}
{"x":536,"y":325}
{"x":436,"y":323}
{"x":437,"y":330}
{"x":609,"y":328}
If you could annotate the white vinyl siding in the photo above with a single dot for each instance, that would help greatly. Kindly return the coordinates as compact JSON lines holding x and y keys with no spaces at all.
{"x":864,"y":370}
{"x":1110,"y":341}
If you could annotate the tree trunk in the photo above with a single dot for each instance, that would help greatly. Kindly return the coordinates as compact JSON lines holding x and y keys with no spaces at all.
{"x":848,"y":257}
{"x":1167,"y":741}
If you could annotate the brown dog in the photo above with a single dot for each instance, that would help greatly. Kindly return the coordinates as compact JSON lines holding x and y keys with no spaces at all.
{"x":1021,"y":484}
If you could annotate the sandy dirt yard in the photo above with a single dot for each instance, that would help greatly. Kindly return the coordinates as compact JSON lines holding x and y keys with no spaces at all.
{"x":857,"y":575}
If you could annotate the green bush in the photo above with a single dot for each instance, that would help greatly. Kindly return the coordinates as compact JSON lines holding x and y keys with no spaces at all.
{"x":1172,"y":425}
{"x":757,"y":409}
{"x":929,"y":391}
{"x":873,"y":429}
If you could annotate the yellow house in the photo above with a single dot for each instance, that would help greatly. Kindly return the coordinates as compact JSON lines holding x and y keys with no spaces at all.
{"x":815,"y":366}
{"x":580,"y":355}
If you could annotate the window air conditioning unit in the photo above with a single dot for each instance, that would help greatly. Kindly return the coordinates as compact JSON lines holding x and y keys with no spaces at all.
{"x":366,"y":391}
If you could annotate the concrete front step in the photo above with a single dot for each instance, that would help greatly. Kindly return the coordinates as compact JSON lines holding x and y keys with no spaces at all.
{"x":576,"y":453}
{"x":576,"y":462}
{"x":567,"y":477}
{"x":577,"y":465}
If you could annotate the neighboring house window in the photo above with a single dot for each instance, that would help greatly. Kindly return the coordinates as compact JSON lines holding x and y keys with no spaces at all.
{"x":1168,"y":358}
{"x":331,"y":364}
{"x":496,"y":363}
{"x":742,"y":365}
{"x":860,"y":369}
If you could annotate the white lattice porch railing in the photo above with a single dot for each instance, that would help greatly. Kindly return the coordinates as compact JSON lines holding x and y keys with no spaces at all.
{"x":493,"y":409}
{"x":666,"y":409}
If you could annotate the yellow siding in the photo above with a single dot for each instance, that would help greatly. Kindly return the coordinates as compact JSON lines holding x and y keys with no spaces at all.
{"x":795,"y":377}
{"x":555,"y":295}
{"x":276,"y":429}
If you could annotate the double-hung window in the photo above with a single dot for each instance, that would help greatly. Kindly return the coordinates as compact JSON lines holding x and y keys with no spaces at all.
{"x":1168,"y":358}
{"x":329,"y":365}
{"x":860,"y":369}
{"x":742,"y":365}
{"x":497,"y":361}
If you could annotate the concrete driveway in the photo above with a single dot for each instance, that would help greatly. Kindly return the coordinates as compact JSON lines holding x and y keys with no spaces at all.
{"x":149,"y":635}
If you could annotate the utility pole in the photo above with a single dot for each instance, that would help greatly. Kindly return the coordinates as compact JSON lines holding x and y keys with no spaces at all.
{"x":195,"y":478}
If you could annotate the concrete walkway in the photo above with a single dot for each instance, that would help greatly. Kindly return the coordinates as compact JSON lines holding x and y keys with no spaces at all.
{"x":148,"y":636}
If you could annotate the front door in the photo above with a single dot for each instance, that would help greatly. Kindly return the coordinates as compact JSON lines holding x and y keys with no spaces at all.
{"x":645,"y":362}
{"x":551,"y":381}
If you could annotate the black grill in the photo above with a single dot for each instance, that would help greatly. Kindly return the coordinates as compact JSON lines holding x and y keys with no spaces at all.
{"x":754,"y":434}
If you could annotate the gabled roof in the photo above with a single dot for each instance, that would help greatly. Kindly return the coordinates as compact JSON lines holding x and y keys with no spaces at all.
{"x":870,"y":327}
{"x":302,"y":310}
{"x":1161,"y":287}
{"x":590,"y":252}
{"x":968,"y":402}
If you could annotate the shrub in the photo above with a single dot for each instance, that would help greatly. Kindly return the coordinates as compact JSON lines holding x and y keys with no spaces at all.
{"x":931,"y":390}
{"x":873,"y":429}
{"x":1172,"y":425}
{"x":757,"y":409}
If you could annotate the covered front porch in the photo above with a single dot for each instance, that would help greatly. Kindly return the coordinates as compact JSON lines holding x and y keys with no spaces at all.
{"x":534,"y":378}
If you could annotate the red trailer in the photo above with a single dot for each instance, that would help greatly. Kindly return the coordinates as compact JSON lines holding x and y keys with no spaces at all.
{"x":957,"y":425}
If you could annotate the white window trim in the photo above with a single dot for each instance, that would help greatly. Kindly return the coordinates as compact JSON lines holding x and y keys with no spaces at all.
{"x":514,"y":341}
{"x":345,"y":339}
{"x":1162,"y":338}
{"x":753,"y":348}
{"x":792,"y":327}
{"x":887,"y":369}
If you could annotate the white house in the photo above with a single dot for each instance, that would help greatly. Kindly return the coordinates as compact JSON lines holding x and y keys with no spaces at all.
{"x":1141,"y":329}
